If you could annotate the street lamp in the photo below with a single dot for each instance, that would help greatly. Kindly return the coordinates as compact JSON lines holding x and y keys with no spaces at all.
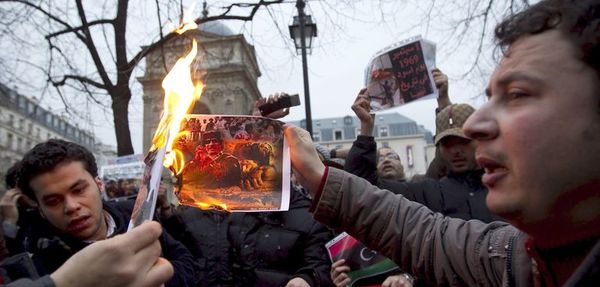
{"x":302,"y":31}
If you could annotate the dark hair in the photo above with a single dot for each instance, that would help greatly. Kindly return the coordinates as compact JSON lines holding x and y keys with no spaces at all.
{"x":577,"y":19}
{"x":46,"y":156}
{"x":12,"y":175}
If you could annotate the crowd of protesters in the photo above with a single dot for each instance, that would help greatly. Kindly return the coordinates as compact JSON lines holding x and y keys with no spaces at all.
{"x":512,"y":198}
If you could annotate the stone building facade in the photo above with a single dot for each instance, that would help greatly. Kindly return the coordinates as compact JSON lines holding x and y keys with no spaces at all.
{"x":225,"y":63}
{"x":412,"y":142}
{"x":24,"y":123}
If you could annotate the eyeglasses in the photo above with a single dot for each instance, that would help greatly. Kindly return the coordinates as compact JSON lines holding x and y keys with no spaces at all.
{"x":209,"y":141}
{"x":390,"y":156}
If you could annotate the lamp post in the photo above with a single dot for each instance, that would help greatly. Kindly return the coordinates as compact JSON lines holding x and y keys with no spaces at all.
{"x":302,"y":31}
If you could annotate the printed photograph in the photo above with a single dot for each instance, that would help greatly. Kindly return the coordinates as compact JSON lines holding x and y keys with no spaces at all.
{"x":235,"y":163}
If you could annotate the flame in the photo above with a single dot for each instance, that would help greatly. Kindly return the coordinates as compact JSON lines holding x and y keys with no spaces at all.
{"x":180,"y":95}
{"x":188,"y":21}
{"x":211,"y":204}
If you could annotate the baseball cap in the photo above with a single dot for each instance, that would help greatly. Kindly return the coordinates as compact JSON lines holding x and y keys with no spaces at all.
{"x":450,"y":120}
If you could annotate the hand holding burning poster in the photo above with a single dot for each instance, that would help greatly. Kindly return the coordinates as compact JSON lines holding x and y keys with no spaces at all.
{"x":236,"y":163}
{"x":401,"y":74}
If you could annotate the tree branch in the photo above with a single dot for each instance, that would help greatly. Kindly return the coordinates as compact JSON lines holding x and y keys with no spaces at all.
{"x":47,"y":13}
{"x":75,"y":29}
{"x":89,"y":43}
{"x":223,"y":16}
{"x":81,"y":79}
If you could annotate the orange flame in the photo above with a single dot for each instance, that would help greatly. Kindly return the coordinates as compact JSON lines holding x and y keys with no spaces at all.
{"x":188,"y":21}
{"x":180,"y":96}
{"x":211,"y":204}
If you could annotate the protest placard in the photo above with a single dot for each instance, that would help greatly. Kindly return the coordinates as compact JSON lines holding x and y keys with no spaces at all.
{"x":121,"y":180}
{"x":401,"y":73}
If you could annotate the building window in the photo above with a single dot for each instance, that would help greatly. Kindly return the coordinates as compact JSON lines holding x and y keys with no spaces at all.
{"x":348,"y":120}
{"x":37,"y":132}
{"x":30,"y":128}
{"x":22,"y":103}
{"x":9,"y":141}
{"x":22,"y":124}
{"x":334,"y":122}
{"x":338,"y":135}
{"x":409,"y":156}
{"x":383,"y":132}
{"x":385,"y":144}
{"x":48,"y":136}
{"x":11,"y":120}
{"x":317,"y":136}
{"x":318,"y":123}
{"x":19,"y":144}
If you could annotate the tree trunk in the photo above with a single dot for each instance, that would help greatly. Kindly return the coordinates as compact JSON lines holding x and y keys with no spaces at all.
{"x":120,"y":108}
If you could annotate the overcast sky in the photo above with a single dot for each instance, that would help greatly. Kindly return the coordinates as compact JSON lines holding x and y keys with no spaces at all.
{"x":349,"y":34}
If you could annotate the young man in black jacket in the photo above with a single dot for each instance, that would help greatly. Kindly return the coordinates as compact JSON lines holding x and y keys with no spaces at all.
{"x":63,"y":178}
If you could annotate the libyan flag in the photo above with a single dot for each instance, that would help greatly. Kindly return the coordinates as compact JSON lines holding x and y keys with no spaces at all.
{"x":364,"y":263}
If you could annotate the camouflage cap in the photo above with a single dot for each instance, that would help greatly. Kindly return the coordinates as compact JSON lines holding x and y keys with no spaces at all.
{"x":450,"y":120}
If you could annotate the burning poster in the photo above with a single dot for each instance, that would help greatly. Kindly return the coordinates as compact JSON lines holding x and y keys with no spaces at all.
{"x":180,"y":94}
{"x":237,"y":163}
{"x":401,"y":73}
{"x":145,"y":201}
{"x":367,"y":267}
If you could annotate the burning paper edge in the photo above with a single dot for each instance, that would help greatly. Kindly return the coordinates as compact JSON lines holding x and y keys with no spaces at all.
{"x":148,"y":204}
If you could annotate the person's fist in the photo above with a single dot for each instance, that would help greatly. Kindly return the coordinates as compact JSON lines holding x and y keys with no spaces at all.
{"x":305,"y":161}
{"x":339,"y":275}
{"x":362,"y":106}
{"x":401,"y":280}
{"x":297,"y":282}
{"x":441,"y":82}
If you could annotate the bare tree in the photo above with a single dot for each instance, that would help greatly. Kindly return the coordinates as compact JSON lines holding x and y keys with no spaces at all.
{"x":70,"y":26}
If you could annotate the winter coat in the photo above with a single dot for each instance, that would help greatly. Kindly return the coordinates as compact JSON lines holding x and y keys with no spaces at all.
{"x":51,"y":248}
{"x":456,"y":195}
{"x":204,"y":233}
{"x":440,"y":250}
{"x":271,"y":248}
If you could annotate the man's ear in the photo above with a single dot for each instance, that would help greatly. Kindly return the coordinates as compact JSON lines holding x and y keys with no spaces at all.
{"x":99,"y":183}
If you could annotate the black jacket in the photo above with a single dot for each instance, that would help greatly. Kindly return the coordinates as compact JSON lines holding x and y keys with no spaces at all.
{"x":271,"y":248}
{"x":51,"y":248}
{"x":204,"y":233}
{"x":456,"y":195}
